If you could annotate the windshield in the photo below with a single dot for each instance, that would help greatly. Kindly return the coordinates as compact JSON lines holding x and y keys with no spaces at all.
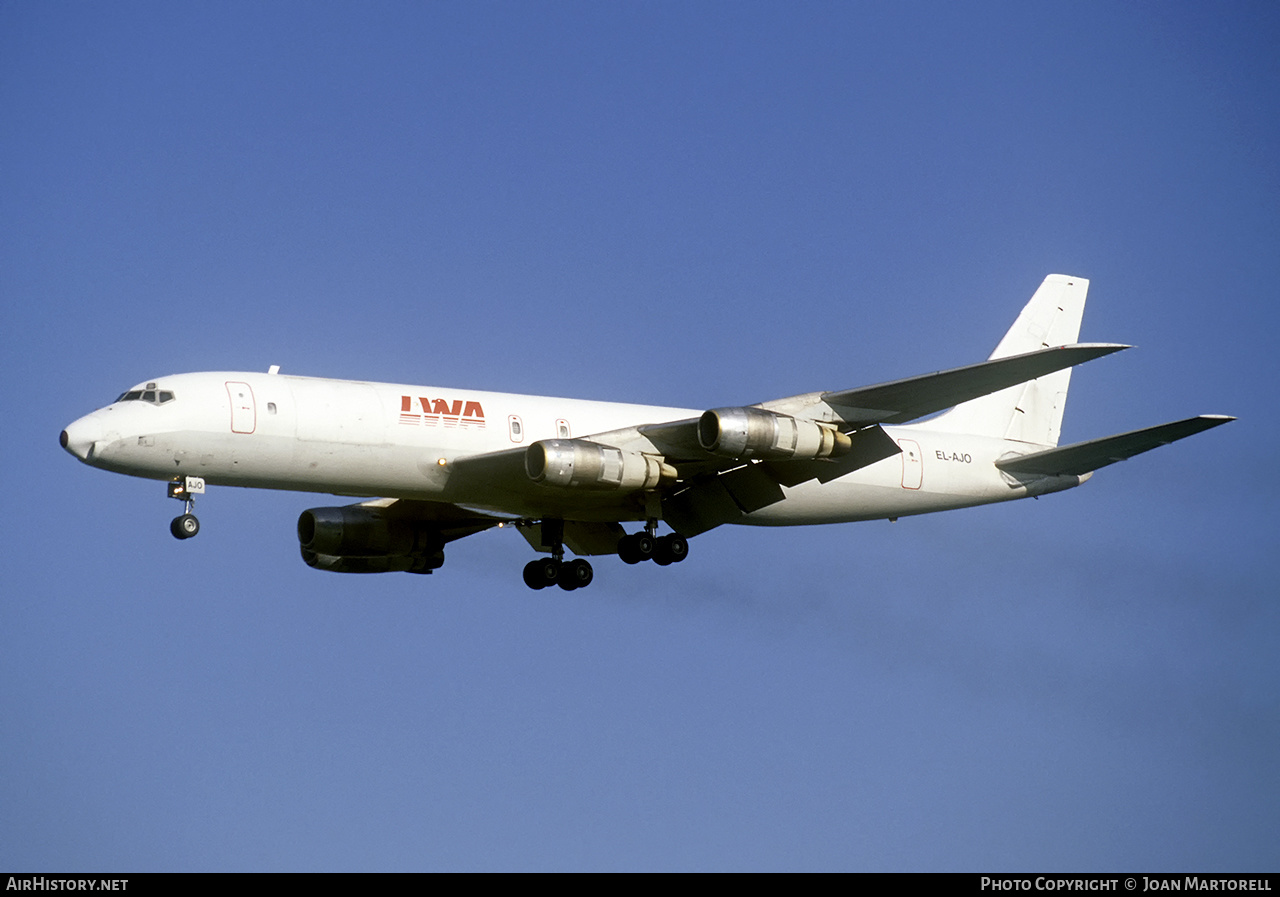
{"x":150,"y":394}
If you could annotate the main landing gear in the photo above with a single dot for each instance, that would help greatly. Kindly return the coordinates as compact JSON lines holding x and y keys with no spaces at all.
{"x":185,"y":525}
{"x":555,"y":570}
{"x":576,"y":574}
{"x":645,"y":546}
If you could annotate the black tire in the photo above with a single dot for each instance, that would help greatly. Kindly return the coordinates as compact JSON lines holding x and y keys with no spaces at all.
{"x":541,"y":572}
{"x":550,"y":570}
{"x":184,"y":526}
{"x":533,"y":576}
{"x":576,"y":574}
{"x":671,"y":549}
{"x":627,"y":550}
{"x":645,"y":545}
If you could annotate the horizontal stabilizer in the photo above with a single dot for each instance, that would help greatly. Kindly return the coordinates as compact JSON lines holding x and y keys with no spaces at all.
{"x":1083,"y":457}
{"x":900,"y":401}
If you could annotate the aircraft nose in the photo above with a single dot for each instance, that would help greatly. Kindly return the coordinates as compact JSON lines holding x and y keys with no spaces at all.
{"x":79,"y":437}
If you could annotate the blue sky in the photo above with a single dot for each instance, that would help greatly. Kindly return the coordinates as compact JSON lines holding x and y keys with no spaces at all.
{"x":683,"y":204}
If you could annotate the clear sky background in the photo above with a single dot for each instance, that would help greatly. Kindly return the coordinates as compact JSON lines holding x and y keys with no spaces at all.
{"x":691,"y":204}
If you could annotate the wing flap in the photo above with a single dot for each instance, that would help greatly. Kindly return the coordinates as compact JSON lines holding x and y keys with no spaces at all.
{"x":1084,"y":457}
{"x":713,"y":499}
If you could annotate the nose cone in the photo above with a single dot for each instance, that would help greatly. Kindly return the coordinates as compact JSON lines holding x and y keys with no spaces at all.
{"x":79,"y":437}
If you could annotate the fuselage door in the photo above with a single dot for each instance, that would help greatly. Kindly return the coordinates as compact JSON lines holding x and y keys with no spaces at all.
{"x":244,"y":415}
{"x":912,"y":464}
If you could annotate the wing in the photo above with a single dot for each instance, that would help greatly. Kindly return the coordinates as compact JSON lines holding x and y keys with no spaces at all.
{"x":900,"y":401}
{"x":897,"y":401}
{"x":665,"y":469}
{"x":1085,"y":457}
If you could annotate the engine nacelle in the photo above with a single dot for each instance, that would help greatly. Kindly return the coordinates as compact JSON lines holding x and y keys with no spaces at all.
{"x":360,"y":539}
{"x":379,"y":564}
{"x":756,"y":433}
{"x":588,"y":465}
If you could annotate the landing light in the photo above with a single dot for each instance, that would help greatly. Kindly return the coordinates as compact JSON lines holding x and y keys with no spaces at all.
{"x":442,"y":462}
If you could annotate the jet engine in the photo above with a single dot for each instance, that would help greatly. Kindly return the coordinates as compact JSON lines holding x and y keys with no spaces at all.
{"x":756,"y":433}
{"x":589,"y":465}
{"x":359,"y":539}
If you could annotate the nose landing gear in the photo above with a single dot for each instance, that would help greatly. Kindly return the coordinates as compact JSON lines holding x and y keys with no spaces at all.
{"x":185,"y":525}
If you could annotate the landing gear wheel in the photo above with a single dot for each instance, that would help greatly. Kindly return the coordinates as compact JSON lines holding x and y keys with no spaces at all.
{"x":627,"y":550}
{"x":671,"y":549}
{"x":575,"y":574}
{"x":645,"y":545}
{"x":184,"y":526}
{"x":541,"y":572}
{"x":636,"y":547}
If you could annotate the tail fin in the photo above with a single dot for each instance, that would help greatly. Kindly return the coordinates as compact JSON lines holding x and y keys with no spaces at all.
{"x":1031,"y":411}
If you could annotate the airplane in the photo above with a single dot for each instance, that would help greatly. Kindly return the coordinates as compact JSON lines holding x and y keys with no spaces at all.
{"x":438,"y":464}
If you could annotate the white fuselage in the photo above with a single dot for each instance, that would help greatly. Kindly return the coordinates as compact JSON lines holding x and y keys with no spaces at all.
{"x":387,"y":440}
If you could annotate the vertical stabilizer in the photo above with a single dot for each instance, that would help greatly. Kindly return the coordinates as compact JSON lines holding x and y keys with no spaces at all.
{"x":1032,"y":411}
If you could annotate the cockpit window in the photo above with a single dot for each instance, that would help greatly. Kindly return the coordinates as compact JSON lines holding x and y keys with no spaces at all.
{"x":150,"y":395}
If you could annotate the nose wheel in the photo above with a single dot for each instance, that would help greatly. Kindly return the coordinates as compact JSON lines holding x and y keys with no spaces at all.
{"x":184,"y":489}
{"x":184,"y":526}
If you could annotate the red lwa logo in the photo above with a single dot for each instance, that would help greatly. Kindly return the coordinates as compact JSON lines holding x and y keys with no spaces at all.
{"x":426,"y":412}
